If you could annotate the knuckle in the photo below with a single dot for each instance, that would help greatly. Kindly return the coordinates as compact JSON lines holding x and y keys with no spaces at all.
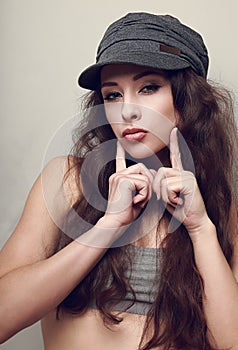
{"x":190,"y":174}
{"x":161,"y":171}
{"x":145,"y":178}
{"x":111,"y":178}
{"x":141,"y":165}
{"x":164,"y":182}
{"x":143,"y":168}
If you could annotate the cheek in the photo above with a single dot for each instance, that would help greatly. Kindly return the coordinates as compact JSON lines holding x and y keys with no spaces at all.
{"x":112,"y":112}
{"x":115,"y":129}
{"x":165,"y":105}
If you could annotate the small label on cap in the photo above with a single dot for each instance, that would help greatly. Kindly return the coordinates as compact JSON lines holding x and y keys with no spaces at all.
{"x":169,"y":49}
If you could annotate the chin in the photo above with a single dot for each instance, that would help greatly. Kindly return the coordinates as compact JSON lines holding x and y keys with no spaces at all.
{"x":142,"y":155}
{"x":141,"y":151}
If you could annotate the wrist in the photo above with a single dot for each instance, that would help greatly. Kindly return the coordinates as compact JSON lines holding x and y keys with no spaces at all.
{"x":113,"y":221}
{"x":205,"y":230}
{"x":109,"y":221}
{"x":102,"y":234}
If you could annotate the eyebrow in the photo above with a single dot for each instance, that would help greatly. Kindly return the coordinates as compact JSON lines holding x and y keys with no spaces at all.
{"x":135,"y":78}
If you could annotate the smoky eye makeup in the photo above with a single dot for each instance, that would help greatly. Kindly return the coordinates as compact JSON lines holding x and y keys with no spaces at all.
{"x":149,"y":88}
{"x":111,"y":96}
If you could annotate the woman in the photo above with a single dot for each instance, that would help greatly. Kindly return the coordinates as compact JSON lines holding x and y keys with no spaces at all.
{"x":156,"y":265}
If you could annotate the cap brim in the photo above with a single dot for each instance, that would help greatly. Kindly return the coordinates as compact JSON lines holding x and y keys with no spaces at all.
{"x":90,"y":78}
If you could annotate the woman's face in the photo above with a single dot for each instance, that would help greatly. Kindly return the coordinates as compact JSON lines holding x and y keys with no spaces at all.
{"x":139,"y":107}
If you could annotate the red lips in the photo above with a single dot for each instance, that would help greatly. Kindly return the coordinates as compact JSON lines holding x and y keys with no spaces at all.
{"x":134,"y":134}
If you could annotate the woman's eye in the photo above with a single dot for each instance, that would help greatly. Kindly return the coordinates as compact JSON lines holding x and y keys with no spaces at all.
{"x":112,"y":96}
{"x":150,"y":88}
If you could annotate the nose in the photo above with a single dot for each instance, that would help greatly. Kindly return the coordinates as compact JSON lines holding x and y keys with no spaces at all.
{"x":130,"y":112}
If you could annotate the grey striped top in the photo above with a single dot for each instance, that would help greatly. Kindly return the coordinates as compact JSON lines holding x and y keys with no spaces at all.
{"x":142,"y":280}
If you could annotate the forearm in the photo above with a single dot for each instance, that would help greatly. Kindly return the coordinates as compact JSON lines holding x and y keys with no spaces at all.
{"x":29,"y":292}
{"x":220,"y":288}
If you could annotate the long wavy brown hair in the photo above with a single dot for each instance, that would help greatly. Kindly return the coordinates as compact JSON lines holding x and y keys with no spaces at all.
{"x":209,"y":129}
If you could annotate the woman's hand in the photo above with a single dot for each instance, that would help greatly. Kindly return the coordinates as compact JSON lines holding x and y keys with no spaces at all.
{"x":129,"y":191}
{"x":179,"y":191}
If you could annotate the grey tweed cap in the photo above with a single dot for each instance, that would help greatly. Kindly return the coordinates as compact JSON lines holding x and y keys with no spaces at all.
{"x":145,"y":39}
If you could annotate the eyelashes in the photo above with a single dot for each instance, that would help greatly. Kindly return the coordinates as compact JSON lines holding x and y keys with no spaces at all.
{"x":150,"y":88}
{"x":111,"y":96}
{"x":147,"y":90}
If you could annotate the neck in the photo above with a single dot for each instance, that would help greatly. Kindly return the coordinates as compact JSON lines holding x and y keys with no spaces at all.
{"x":155,"y":162}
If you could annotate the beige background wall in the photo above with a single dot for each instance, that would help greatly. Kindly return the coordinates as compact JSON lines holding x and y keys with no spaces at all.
{"x":44,"y":45}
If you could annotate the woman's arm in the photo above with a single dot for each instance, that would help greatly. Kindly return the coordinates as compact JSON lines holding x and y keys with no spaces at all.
{"x":180,"y":192}
{"x":33,"y":279}
{"x":220,"y":288}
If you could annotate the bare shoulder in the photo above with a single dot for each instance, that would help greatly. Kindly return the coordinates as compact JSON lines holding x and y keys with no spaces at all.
{"x":38,"y":231}
{"x":72,"y":187}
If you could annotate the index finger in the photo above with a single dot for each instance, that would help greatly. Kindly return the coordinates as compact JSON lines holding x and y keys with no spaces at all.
{"x":120,"y":158}
{"x":175,"y":155}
